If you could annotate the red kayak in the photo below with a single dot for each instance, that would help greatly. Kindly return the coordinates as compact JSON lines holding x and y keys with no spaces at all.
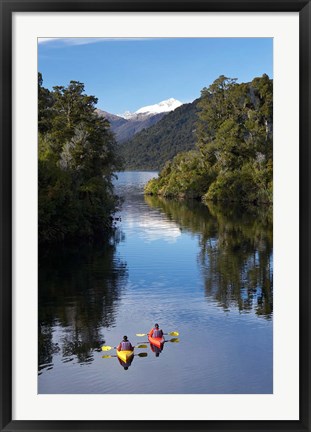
{"x":157,"y":341}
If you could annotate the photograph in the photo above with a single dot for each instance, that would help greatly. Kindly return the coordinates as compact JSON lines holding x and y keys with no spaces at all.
{"x":155,"y":215}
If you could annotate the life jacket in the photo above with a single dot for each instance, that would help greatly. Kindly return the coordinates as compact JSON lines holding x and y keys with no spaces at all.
{"x":126,"y":346}
{"x":157,"y":333}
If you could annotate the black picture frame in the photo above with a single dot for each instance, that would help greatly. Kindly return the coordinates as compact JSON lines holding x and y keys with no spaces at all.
{"x":8,"y":7}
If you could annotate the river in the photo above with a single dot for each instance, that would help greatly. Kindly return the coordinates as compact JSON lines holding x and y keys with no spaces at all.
{"x":204,"y":271}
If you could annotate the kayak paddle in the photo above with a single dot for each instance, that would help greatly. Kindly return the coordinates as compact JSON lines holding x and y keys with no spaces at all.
{"x":172,"y":340}
{"x":174,"y":333}
{"x":135,"y":355}
{"x":108,"y":348}
{"x":167,"y":340}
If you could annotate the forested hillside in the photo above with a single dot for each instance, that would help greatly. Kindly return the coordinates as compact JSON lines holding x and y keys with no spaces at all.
{"x":76,"y":164}
{"x":232,"y":159}
{"x":152,"y":147}
{"x":125,"y":129}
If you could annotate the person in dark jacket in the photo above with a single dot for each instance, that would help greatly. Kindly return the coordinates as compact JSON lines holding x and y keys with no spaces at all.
{"x":125,"y":345}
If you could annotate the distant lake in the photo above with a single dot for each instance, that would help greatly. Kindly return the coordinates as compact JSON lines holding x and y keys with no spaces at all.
{"x":204,"y":271}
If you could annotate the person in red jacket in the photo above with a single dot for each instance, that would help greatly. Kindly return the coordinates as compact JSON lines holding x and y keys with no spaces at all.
{"x":156,"y":332}
{"x":125,"y":345}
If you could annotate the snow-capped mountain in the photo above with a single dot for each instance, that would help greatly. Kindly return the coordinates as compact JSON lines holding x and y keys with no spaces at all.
{"x":126,"y":125}
{"x":164,"y":106}
{"x":150,"y":110}
{"x":127,"y":115}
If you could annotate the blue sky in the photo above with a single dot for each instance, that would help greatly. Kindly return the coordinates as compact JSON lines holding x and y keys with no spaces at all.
{"x":126,"y":74}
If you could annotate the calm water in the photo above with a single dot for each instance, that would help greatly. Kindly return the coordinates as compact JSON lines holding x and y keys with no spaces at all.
{"x":206,"y":272}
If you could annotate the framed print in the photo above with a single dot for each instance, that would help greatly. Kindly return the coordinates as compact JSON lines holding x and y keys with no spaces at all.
{"x":155,"y":172}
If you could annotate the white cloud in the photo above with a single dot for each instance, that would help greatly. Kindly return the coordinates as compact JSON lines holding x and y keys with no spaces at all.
{"x":85,"y":41}
{"x":70,"y":41}
{"x":43,"y":40}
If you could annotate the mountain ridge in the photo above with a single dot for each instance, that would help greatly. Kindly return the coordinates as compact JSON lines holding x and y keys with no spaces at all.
{"x":152,"y":147}
{"x":124,"y":129}
{"x":166,"y":105}
{"x":126,"y":125}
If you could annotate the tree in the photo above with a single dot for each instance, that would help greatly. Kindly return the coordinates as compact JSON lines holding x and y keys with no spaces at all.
{"x":214,"y":108}
{"x":76,"y":166}
{"x":233,"y":156}
{"x":45,"y":102}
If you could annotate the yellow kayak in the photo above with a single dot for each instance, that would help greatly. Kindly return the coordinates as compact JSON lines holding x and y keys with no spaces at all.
{"x":125,"y":355}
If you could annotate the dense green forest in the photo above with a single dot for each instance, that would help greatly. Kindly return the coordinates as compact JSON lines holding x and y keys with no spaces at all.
{"x":232,"y":160}
{"x":153,"y":146}
{"x":76,"y":164}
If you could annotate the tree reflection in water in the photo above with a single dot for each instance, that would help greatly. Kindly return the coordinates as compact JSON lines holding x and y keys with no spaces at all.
{"x":236,"y":250}
{"x":79,"y":290}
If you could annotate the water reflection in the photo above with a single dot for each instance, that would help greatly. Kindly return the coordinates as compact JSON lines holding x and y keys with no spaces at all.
{"x":78,"y":297}
{"x":136,"y":216}
{"x":156,"y":350}
{"x":236,"y":247}
{"x":180,"y":263}
{"x":126,"y":364}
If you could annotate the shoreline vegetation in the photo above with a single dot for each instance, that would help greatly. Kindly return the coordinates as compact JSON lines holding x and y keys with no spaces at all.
{"x":76,"y":166}
{"x":78,"y":157}
{"x":232,"y":160}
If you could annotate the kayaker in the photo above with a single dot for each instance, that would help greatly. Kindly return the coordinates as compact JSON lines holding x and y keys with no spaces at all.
{"x":125,"y":345}
{"x":156,"y":332}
